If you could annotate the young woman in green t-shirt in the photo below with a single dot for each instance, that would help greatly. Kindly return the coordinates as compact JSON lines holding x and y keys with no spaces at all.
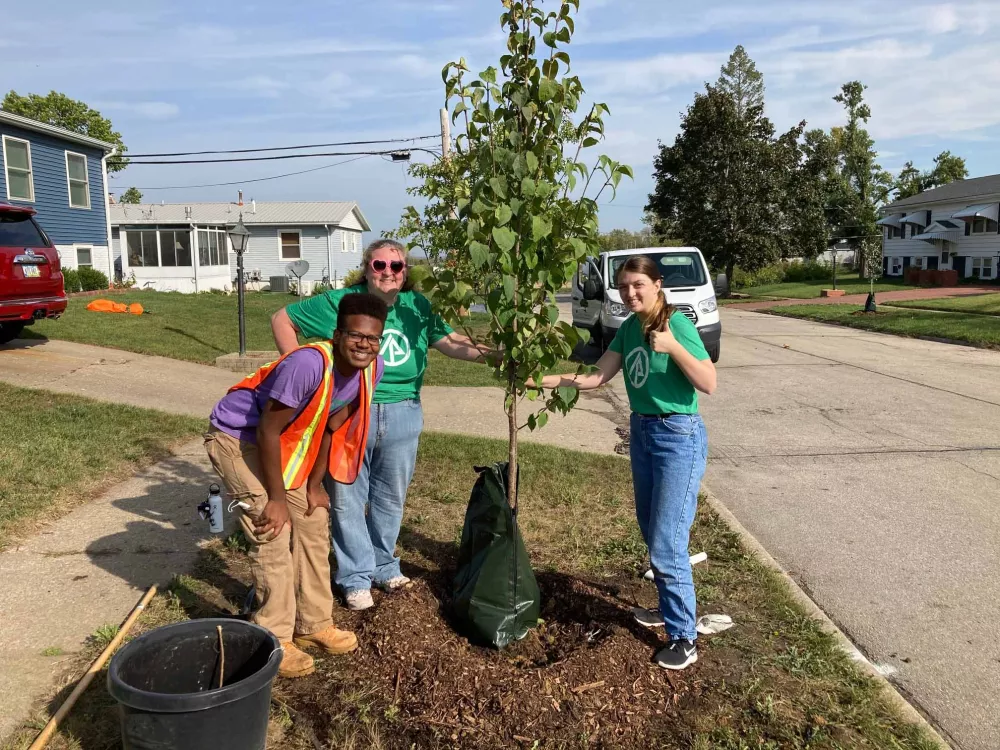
{"x":366,"y":516}
{"x":665,"y":365}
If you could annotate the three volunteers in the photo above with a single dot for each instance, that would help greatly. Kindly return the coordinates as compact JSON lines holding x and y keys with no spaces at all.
{"x":665,"y":366}
{"x":273,"y":439}
{"x":366,"y":515}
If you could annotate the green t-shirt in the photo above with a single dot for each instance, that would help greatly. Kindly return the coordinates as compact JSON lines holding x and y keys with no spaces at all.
{"x":655,"y":384}
{"x":410,"y":328}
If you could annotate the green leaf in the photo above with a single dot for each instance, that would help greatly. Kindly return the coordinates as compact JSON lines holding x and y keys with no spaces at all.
{"x":479,"y":253}
{"x":508,"y":288}
{"x":567,"y":394}
{"x":528,"y":187}
{"x":540,"y":227}
{"x":504,"y":237}
{"x":553,"y":314}
{"x":548,"y":89}
{"x":532,"y":161}
{"x":498,"y":187}
{"x":503,"y":214}
{"x":542,"y":419}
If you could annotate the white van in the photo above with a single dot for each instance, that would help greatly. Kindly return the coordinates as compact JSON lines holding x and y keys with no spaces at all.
{"x":598,"y":307}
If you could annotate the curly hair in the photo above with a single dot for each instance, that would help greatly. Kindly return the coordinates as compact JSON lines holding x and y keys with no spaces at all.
{"x":360,"y":304}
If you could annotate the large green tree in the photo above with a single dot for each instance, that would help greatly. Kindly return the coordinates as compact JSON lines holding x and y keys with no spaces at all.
{"x":818,"y":194}
{"x":522,"y":207}
{"x":723,"y":184}
{"x":59,"y":110}
{"x":867,"y":184}
{"x":947,"y":168}
{"x":132,"y":195}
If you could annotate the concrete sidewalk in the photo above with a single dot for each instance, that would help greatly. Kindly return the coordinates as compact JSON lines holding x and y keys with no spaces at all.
{"x":901,"y":295}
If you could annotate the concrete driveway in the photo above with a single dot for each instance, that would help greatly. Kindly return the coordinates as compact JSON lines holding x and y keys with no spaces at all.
{"x":869,"y":466}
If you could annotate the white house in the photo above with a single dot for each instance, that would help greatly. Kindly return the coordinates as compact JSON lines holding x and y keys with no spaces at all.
{"x":952,"y":227}
{"x":185,"y":247}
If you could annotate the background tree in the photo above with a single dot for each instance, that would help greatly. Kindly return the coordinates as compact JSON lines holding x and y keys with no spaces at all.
{"x":742,"y":82}
{"x":867,"y":184}
{"x":947,"y":168}
{"x":723,"y":184}
{"x":523,"y":212}
{"x":818,"y":194}
{"x":132,"y":195}
{"x":59,"y":110}
{"x":625,"y":239}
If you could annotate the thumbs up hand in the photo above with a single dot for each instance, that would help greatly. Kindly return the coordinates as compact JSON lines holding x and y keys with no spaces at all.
{"x":663,"y":341}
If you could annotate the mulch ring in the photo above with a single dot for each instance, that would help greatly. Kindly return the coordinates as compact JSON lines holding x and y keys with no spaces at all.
{"x":586,"y":673}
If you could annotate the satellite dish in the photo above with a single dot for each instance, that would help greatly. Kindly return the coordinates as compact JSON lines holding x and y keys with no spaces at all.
{"x":298,"y":268}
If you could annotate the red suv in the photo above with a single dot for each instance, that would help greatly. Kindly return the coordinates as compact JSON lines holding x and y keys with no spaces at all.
{"x":31,"y":280}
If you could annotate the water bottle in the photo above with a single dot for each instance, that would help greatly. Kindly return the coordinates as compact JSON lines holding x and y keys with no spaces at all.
{"x":211,"y":509}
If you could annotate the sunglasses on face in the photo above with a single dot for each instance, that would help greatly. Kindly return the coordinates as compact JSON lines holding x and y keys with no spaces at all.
{"x":395,"y":266}
{"x":356,"y":337}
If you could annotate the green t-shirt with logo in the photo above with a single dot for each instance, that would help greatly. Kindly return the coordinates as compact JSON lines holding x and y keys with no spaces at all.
{"x":655,"y":384}
{"x":409,"y":330}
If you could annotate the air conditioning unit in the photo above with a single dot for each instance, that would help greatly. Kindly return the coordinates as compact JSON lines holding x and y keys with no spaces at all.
{"x":279,"y":284}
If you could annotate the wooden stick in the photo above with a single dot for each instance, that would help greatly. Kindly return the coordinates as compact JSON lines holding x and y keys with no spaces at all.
{"x":222,"y":655}
{"x":46,"y":734}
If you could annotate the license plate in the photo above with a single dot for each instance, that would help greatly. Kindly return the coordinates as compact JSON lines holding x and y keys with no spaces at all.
{"x":31,"y":272}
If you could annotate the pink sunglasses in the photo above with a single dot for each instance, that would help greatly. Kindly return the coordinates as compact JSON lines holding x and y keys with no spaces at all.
{"x":395,"y":266}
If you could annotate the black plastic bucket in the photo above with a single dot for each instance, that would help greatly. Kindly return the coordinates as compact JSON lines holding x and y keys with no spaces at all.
{"x":165,"y":682}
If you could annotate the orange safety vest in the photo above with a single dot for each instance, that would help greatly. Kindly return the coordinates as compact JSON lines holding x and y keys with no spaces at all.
{"x":300,"y":440}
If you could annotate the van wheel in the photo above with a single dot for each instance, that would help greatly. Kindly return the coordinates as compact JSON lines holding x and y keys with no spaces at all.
{"x":10,"y":331}
{"x":714,"y":351}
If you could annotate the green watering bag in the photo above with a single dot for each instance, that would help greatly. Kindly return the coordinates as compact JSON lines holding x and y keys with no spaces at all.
{"x":496,"y":595}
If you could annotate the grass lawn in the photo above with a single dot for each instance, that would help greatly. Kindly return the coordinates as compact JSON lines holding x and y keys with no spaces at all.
{"x":59,"y":450}
{"x":849,"y":282}
{"x":201,"y":327}
{"x":974,"y":329}
{"x":979,"y":304}
{"x":583,"y":678}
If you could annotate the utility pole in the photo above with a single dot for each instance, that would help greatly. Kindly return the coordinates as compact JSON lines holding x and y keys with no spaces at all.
{"x":445,"y":134}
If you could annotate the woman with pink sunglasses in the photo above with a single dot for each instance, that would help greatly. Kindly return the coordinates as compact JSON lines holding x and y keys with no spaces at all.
{"x":365,"y":543}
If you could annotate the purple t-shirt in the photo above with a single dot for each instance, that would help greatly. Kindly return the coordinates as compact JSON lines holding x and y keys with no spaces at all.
{"x":292,"y":383}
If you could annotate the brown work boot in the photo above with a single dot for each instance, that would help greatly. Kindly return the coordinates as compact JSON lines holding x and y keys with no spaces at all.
{"x":330,"y":639}
{"x":294,"y":662}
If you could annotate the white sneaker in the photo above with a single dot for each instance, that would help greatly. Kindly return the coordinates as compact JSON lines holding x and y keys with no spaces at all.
{"x":360,"y":599}
{"x":395,"y":583}
{"x":648,"y":618}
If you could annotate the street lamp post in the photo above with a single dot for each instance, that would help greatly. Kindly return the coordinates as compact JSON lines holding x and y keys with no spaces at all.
{"x":239,"y":236}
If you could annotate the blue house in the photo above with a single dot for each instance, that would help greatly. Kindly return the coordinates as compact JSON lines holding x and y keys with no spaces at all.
{"x":63,"y":176}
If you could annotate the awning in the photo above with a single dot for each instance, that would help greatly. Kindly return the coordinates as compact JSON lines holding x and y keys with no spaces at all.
{"x":892,"y":220}
{"x":920,"y":218}
{"x":942,"y":229}
{"x":984,"y":211}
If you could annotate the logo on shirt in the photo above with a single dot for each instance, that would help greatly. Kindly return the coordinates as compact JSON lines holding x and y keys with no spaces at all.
{"x":637,"y":366}
{"x":395,"y":348}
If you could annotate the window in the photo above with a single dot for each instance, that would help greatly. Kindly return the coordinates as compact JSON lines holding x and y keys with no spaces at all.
{"x":79,"y":187}
{"x":984,"y":226}
{"x":918,"y":262}
{"x":83,"y":257}
{"x":142,"y":249}
{"x":17,"y":162}
{"x":896,"y":233}
{"x":213,"y":247}
{"x":897,"y":266}
{"x":175,"y":248}
{"x":982,"y":268}
{"x":291,"y":245}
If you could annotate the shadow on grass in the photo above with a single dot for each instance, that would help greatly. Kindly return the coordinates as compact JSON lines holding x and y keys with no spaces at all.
{"x":195,"y":339}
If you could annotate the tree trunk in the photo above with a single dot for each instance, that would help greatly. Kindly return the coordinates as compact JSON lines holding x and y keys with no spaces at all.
{"x":730,"y":270}
{"x":512,"y":449}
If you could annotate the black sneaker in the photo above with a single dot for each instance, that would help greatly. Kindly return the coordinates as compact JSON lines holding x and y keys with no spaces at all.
{"x":677,"y":654}
{"x":648,"y":618}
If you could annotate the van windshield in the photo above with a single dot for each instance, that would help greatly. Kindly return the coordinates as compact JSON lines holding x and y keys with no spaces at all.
{"x":677,"y":269}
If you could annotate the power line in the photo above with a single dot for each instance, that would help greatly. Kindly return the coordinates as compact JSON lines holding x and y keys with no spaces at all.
{"x":278,"y":158}
{"x":287,"y":148}
{"x":258,"y":179}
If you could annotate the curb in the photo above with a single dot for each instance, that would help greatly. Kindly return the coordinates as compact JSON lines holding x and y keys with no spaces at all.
{"x":892,"y":695}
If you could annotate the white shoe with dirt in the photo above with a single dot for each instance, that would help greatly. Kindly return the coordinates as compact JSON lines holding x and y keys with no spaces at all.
{"x":395,"y":584}
{"x":360,"y":599}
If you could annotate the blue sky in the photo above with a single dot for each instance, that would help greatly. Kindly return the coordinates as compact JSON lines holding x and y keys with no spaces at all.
{"x":185,"y":75}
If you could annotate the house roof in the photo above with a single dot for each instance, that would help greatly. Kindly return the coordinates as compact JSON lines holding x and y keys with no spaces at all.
{"x":288,"y":213}
{"x":42,"y":127}
{"x":959,"y":190}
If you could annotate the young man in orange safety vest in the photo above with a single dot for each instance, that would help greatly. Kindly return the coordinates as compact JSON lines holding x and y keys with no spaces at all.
{"x":273,"y":438}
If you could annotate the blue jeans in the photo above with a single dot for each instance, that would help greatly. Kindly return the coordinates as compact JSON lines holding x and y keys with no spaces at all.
{"x":365,"y":516}
{"x":668,"y":462}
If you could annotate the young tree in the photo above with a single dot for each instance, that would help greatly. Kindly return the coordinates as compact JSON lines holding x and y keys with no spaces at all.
{"x":132,"y":195}
{"x":519,"y":209}
{"x":59,"y":110}
{"x":868,"y":184}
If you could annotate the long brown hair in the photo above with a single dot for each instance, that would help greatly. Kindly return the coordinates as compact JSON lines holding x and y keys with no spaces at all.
{"x":381,"y":244}
{"x":662,"y":311}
